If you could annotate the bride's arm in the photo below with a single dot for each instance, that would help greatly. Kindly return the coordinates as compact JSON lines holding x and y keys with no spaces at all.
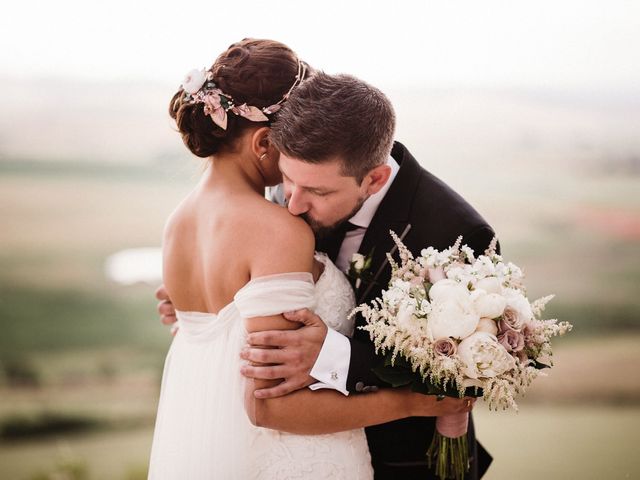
{"x":327,"y":411}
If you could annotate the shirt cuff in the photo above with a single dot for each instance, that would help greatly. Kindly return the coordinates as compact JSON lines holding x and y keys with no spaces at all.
{"x":332,"y":365}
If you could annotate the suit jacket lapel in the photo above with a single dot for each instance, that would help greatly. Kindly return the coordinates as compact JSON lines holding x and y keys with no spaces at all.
{"x":392,"y":214}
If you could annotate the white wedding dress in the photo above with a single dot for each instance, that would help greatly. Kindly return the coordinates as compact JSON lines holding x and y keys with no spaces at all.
{"x":202,"y":431}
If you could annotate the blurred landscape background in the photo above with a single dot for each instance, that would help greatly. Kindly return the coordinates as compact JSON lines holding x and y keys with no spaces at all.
{"x":90,"y":165}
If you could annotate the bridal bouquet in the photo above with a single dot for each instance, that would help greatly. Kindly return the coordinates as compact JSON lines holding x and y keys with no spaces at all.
{"x":454,"y":324}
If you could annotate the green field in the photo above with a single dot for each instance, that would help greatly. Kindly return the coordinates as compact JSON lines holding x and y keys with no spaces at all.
{"x":82,"y":357}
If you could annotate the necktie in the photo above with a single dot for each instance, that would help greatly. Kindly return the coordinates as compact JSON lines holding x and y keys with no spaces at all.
{"x":331,"y":244}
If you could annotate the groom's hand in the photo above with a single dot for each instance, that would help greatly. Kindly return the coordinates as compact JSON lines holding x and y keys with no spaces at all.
{"x":290,"y":354}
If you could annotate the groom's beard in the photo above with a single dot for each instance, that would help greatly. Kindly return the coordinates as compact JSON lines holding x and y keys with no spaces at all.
{"x":322,"y":231}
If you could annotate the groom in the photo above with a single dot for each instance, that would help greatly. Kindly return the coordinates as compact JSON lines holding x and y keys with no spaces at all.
{"x":335,"y":135}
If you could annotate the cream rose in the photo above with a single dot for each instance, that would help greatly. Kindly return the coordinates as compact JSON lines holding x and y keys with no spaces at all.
{"x":194,"y":80}
{"x":483,"y":356}
{"x":488,"y":326}
{"x":358,"y":261}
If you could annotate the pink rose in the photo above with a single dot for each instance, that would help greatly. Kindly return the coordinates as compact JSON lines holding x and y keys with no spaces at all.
{"x":522,"y":356}
{"x":511,"y":340}
{"x":510,"y":320}
{"x":445,"y":347}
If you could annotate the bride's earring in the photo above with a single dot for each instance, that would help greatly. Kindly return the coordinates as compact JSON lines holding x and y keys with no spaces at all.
{"x":262,"y":157}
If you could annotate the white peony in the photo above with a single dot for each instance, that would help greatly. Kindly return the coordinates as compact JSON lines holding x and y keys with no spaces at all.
{"x":490,"y":305}
{"x":488,"y":326}
{"x":483,"y":356}
{"x":194,"y":80}
{"x":446,"y":289}
{"x":454,"y":317}
{"x":490,"y":285}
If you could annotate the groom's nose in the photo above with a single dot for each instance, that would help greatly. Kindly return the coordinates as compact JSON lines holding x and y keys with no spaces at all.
{"x":297,"y":204}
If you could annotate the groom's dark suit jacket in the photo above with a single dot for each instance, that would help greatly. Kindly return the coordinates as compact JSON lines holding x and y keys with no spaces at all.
{"x":437,"y":216}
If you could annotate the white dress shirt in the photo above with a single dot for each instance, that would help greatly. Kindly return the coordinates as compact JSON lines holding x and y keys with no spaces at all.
{"x":332,"y":365}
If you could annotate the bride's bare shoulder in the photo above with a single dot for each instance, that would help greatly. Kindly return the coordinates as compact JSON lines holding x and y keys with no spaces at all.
{"x":281,"y":241}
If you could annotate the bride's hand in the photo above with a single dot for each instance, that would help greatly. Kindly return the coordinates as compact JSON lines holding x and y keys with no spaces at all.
{"x":165,"y":308}
{"x":420,"y":405}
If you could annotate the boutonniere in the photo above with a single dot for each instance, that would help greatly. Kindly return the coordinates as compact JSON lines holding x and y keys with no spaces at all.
{"x":358,"y":270}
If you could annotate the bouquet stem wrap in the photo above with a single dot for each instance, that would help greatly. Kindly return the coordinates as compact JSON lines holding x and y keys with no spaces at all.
{"x":449,"y":450}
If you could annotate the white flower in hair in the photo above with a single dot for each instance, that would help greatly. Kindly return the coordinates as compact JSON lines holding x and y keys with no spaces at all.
{"x":194,"y":80}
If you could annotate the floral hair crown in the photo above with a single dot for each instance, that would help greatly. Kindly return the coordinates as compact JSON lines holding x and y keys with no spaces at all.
{"x":199,"y":87}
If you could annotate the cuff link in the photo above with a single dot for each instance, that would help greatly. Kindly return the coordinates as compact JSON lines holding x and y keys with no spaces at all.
{"x":334,"y":375}
{"x":361,"y":387}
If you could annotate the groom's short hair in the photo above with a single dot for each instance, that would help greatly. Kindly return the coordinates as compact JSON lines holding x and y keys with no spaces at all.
{"x":336,"y":115}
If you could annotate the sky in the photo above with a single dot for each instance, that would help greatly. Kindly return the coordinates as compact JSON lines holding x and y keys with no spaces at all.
{"x":568,"y":44}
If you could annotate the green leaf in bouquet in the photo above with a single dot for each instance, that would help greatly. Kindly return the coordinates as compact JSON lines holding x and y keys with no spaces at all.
{"x":426,"y":388}
{"x":420,"y":387}
{"x":540,"y":365}
{"x":368,"y":260}
{"x":473,"y":392}
{"x":396,"y":377}
{"x":399,"y":362}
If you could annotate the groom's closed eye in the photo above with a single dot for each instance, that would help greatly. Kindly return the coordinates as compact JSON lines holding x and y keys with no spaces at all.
{"x":320,"y":192}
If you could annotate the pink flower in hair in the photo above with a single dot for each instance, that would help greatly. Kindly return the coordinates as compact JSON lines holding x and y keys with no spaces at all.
{"x":250,"y":113}
{"x":214,"y":109}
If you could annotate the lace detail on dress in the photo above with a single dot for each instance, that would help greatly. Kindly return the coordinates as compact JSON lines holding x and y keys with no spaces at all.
{"x":338,"y":456}
{"x":334,"y":298}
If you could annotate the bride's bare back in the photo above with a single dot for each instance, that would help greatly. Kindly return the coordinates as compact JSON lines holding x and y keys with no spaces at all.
{"x":222,"y":235}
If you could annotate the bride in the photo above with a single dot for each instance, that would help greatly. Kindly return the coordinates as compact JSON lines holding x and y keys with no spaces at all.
{"x":233,"y":263}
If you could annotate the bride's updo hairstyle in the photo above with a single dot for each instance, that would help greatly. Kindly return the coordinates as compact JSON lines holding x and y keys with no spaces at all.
{"x":258,"y":73}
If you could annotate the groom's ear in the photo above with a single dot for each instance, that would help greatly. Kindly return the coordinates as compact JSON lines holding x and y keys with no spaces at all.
{"x":377,"y":178}
{"x":260,"y":143}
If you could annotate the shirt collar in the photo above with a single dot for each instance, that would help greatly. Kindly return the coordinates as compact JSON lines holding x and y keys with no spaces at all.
{"x":363,"y":217}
